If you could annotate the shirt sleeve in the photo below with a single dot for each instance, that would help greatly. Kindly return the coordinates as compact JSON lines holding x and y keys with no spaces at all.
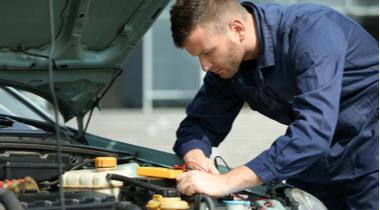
{"x":317,"y":54}
{"x":209,"y":116}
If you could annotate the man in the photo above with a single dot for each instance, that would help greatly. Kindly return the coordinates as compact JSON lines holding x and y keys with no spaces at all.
{"x":303,"y":65}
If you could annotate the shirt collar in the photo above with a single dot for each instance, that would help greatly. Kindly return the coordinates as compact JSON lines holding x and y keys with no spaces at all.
{"x":265,"y":40}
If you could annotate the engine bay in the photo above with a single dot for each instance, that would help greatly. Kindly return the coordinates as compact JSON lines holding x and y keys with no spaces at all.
{"x":95,"y":178}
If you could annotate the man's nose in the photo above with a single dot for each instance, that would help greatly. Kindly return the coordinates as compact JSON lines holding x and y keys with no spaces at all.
{"x":206,"y":65}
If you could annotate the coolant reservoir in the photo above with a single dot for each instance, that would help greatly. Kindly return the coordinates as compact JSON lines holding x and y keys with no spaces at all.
{"x":95,"y":179}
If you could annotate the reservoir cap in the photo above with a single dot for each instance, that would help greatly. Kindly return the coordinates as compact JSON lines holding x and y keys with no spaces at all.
{"x":105,"y":162}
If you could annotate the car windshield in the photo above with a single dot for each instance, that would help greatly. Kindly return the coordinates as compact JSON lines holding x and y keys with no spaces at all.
{"x":16,"y":103}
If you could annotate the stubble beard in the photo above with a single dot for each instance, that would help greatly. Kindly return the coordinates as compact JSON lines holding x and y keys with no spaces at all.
{"x":234,"y":59}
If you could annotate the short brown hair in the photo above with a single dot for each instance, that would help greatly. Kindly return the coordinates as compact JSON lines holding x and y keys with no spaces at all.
{"x":186,"y":14}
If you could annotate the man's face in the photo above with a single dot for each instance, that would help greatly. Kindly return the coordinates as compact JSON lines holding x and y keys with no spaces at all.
{"x":218,"y":52}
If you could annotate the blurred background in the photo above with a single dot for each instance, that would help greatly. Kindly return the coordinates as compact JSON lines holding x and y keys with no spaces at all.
{"x":147,"y":102}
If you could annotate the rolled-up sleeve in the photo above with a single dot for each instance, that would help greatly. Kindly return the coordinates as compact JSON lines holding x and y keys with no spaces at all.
{"x":317,"y":53}
{"x":209,"y":116}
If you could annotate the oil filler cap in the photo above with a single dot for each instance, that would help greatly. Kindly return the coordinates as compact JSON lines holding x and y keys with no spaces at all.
{"x":105,"y":162}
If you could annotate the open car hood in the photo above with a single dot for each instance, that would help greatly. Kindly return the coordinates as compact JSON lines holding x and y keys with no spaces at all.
{"x":92,"y":39}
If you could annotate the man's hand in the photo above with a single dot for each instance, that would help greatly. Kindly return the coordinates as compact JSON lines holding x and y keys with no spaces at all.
{"x":216,"y":185}
{"x":198,"y":157}
{"x":195,"y":181}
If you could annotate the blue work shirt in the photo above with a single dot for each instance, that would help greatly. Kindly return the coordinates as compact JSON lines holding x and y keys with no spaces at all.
{"x":317,"y":72}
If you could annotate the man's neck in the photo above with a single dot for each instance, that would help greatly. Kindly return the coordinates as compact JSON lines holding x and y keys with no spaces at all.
{"x":252,"y":46}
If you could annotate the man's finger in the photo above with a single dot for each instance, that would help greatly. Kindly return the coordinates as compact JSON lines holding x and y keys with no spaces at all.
{"x":185,"y":188}
{"x":179,"y":177}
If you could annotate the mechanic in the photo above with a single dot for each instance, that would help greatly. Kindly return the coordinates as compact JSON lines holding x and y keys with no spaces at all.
{"x":303,"y":65}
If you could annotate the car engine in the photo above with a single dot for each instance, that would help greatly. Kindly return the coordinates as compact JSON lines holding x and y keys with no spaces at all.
{"x":100,"y":179}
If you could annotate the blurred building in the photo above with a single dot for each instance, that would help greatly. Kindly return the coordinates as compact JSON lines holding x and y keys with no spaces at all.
{"x":158,"y":74}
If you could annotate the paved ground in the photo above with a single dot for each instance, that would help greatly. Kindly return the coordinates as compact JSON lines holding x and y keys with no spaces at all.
{"x":251,"y":133}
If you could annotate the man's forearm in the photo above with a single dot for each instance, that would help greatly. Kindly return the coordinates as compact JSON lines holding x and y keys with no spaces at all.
{"x":193,"y":155}
{"x":237,"y":179}
{"x":241,"y":178}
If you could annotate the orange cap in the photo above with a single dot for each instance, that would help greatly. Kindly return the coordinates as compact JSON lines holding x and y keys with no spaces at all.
{"x":105,"y":162}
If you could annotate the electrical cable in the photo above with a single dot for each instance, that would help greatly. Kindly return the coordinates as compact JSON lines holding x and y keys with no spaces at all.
{"x":184,"y":167}
{"x":8,"y":200}
{"x":266,"y":205}
{"x":199,"y":198}
{"x":196,"y":165}
{"x":164,"y":191}
{"x":225,"y":163}
{"x":236,"y":195}
{"x":55,"y":103}
{"x":21,"y":49}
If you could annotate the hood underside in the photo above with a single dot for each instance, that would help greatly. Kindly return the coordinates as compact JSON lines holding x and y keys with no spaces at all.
{"x":92,"y":39}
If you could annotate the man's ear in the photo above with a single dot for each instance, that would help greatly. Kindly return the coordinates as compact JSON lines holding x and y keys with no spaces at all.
{"x":238,"y":28}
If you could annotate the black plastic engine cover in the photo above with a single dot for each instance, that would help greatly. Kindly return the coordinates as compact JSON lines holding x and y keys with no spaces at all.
{"x":77,"y":200}
{"x":36,"y":167}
